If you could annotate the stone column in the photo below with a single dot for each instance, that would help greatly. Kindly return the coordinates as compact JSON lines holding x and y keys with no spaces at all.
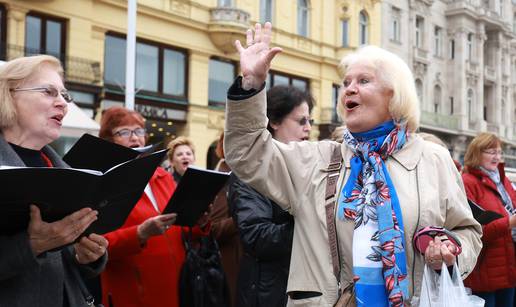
{"x":15,"y":29}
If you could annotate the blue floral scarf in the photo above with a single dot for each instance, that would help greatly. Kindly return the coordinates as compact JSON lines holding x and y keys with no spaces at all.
{"x":369,"y":198}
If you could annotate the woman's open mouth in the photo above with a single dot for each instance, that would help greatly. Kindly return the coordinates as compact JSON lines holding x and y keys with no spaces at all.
{"x":350,"y":105}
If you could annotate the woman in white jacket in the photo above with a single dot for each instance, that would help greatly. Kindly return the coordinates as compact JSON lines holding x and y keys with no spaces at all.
{"x":391,"y":183}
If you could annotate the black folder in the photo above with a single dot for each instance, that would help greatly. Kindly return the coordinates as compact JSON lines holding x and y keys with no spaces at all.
{"x":481,"y":215}
{"x":59,"y":192}
{"x":91,"y":152}
{"x":194,"y":193}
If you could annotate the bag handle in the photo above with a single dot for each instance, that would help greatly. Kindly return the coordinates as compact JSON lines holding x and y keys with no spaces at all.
{"x":330,"y":198}
{"x":90,"y":300}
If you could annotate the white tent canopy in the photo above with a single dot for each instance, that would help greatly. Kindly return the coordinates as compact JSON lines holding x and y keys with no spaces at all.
{"x":76,"y":123}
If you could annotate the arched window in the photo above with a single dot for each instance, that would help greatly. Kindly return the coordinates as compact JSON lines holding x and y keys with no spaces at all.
{"x":302,"y":17}
{"x":363,"y":28}
{"x":419,"y":90}
{"x":437,"y":99}
{"x":471,"y":101}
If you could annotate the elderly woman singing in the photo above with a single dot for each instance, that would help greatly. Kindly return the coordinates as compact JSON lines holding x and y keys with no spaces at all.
{"x":35,"y":269}
{"x":356,"y":250}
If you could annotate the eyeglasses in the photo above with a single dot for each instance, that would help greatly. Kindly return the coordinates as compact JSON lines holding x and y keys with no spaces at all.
{"x":126,"y":133}
{"x":48,"y":90}
{"x":493,"y":152}
{"x":304,"y":120}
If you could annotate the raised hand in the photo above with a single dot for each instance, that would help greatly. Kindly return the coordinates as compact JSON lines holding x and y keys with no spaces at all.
{"x":155,"y":226}
{"x":45,"y":236}
{"x":255,"y":60}
{"x":89,"y":249}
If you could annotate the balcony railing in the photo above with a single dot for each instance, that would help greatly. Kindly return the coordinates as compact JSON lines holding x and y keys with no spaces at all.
{"x":472,"y":67}
{"x":437,"y":120}
{"x":77,"y":69}
{"x":490,"y":73}
{"x":228,"y":24}
{"x":229,"y":14}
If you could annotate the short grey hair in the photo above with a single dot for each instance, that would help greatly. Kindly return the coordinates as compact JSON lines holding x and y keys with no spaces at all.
{"x":396,"y":75}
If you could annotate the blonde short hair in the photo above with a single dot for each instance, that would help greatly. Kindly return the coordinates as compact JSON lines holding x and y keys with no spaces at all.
{"x":395,"y":74}
{"x":12,"y":75}
{"x":481,"y":142}
{"x":180,"y":140}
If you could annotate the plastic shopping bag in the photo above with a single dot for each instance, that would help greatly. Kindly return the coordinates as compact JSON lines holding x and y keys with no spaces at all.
{"x":443,"y":290}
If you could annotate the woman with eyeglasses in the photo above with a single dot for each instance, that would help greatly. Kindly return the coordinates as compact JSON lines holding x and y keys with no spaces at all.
{"x":35,"y":268}
{"x":146,"y":254}
{"x":266,"y":229}
{"x":494,"y":277}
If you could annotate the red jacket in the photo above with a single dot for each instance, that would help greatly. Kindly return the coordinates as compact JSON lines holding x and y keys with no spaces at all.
{"x":496,"y":268}
{"x":145,"y":276}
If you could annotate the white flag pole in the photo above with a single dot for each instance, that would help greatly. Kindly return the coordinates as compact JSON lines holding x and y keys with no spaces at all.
{"x":130,"y":58}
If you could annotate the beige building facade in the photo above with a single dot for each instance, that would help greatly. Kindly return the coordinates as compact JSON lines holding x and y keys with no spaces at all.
{"x":185,"y":57}
{"x":463,"y":55}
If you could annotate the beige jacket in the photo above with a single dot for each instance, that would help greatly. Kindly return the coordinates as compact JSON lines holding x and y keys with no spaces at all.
{"x":428,"y":185}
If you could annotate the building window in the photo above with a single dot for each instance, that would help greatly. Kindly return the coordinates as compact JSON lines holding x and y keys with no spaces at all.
{"x":395,"y":25}
{"x":3,"y":32}
{"x":452,"y":49}
{"x":419,"y":31}
{"x":266,"y":10}
{"x":514,"y":23}
{"x":222,"y":73}
{"x":438,"y":41}
{"x":345,"y":33}
{"x":159,"y":69}
{"x":471,"y":101}
{"x":419,"y":90}
{"x":437,"y":99}
{"x":302,"y":17}
{"x":451,"y":106}
{"x":335,"y":98}
{"x":44,"y":35}
{"x":276,"y":78}
{"x":225,"y":3}
{"x":470,"y":46}
{"x":363,"y":28}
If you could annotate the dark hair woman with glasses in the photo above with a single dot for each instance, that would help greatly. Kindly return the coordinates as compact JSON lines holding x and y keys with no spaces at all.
{"x":35,"y":268}
{"x":146,"y":253}
{"x":266,"y":230}
{"x":494,"y":276}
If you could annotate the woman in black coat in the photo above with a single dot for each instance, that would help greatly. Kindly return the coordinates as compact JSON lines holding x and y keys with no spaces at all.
{"x":265,"y":229}
{"x":39,"y":265}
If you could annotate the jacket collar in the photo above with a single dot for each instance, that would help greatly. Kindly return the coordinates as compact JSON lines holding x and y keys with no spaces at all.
{"x":408,"y":156}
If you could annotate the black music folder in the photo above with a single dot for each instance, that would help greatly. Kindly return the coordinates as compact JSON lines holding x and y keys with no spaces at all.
{"x":91,"y":152}
{"x":59,"y":192}
{"x":195,"y":192}
{"x":481,"y":215}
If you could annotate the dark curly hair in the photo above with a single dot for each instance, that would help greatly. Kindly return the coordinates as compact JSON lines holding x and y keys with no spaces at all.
{"x":281,"y":100}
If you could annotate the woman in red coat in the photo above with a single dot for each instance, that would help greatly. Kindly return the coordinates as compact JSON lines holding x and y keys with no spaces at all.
{"x":146,"y":254}
{"x":494,"y":277}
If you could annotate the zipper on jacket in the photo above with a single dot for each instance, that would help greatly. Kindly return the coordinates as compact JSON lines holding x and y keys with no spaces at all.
{"x":337,"y":197}
{"x":415,"y":231}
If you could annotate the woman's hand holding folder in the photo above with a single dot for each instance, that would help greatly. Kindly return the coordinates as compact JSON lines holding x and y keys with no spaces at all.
{"x":45,"y":236}
{"x":155,"y":226}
